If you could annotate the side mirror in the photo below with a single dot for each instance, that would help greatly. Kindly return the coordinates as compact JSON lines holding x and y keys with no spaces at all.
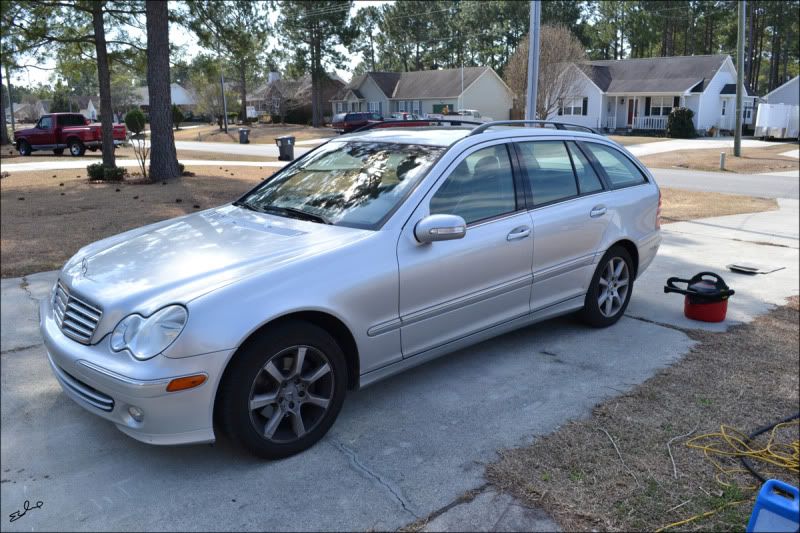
{"x":440,"y":228}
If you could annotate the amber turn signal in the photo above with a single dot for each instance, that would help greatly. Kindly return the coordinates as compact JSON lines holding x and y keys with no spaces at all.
{"x":186,"y":382}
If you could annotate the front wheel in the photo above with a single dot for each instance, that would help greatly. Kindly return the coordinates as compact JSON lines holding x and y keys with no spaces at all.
{"x":76,"y":148}
{"x":24,"y":148}
{"x":610,"y":290}
{"x":283,"y":390}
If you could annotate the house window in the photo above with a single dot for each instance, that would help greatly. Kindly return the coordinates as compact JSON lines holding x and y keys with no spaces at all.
{"x":724,"y":106}
{"x":659,"y":105}
{"x":373,"y":107}
{"x":276,"y":104}
{"x":574,"y":106}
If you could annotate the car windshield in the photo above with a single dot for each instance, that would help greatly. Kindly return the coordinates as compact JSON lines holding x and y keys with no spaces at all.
{"x":355,"y":183}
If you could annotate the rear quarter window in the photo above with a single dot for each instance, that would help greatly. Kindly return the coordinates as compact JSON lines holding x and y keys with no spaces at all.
{"x":621,"y":171}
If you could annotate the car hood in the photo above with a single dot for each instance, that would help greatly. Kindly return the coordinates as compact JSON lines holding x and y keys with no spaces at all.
{"x":26,"y":131}
{"x":181,"y":259}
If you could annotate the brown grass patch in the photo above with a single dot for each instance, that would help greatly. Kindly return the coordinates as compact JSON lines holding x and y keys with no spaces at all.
{"x":753,"y":160}
{"x":259,"y":133}
{"x":44,"y":223}
{"x":745,"y":378}
{"x":123,"y":152}
{"x":679,"y":204}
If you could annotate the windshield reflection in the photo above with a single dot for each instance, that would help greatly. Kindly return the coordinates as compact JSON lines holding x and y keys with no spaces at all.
{"x":352,"y":183}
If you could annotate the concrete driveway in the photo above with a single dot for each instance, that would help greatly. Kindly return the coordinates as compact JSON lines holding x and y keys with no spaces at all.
{"x":400,"y":450}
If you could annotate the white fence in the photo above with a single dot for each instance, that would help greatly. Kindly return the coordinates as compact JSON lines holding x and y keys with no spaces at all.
{"x":778,"y":120}
{"x":650,"y":123}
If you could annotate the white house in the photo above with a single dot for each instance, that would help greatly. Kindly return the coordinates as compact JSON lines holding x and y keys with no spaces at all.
{"x":638,"y":94}
{"x":427,"y":91}
{"x":788,"y":93}
{"x":180,"y":96}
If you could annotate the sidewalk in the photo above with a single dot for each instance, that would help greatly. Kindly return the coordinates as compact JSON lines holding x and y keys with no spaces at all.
{"x":672,"y":145}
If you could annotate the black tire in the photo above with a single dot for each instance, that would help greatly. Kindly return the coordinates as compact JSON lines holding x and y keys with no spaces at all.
{"x":24,"y":148}
{"x":58,"y":151}
{"x":76,"y":148}
{"x":591,"y":313}
{"x":247,"y":372}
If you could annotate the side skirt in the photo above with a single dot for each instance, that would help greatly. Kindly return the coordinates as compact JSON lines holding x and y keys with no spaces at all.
{"x":554,"y":310}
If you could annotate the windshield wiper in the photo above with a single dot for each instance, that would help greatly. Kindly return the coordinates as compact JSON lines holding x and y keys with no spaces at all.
{"x":296,"y":213}
{"x":239,"y":203}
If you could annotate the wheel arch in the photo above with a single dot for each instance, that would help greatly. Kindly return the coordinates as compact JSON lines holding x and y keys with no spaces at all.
{"x":328,"y":322}
{"x":633,"y":250}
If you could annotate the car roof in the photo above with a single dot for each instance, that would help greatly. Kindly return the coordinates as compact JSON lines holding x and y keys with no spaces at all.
{"x":447,"y":135}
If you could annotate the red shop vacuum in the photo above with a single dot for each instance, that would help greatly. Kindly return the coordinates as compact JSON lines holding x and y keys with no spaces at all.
{"x":706,"y":299}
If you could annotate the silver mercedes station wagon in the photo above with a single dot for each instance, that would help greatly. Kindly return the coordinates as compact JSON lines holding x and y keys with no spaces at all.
{"x":368,"y":255}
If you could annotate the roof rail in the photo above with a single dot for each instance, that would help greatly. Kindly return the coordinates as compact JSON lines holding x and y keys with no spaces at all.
{"x":416,"y":122}
{"x":558,"y":125}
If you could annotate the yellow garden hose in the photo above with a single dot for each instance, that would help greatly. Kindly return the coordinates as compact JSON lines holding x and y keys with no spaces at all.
{"x":728,"y":442}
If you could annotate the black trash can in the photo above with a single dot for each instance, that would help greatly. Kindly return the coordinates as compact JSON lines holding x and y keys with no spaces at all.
{"x":285,"y":148}
{"x":244,"y":135}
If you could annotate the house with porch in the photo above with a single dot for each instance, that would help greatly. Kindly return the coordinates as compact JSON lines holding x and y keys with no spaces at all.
{"x":292,"y":97}
{"x":638,"y":94}
{"x":427,"y":91}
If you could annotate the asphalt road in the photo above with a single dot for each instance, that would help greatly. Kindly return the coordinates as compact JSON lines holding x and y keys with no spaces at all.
{"x":400,"y":449}
{"x":761,"y":185}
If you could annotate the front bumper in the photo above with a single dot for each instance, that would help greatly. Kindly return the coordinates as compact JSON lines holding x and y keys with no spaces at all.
{"x":106,"y":384}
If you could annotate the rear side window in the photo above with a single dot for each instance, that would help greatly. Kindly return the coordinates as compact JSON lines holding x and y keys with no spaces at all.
{"x":549,"y":171}
{"x":588,"y":181}
{"x":620,"y":170}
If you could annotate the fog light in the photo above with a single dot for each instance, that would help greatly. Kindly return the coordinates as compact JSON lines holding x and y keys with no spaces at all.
{"x":135,"y":413}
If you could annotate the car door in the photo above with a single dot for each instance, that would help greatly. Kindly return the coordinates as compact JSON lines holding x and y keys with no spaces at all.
{"x":569,"y":219}
{"x":43,"y":132}
{"x":450,"y":289}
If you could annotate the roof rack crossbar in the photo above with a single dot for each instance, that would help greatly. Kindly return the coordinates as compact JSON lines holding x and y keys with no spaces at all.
{"x":558,"y":125}
{"x":382,"y":124}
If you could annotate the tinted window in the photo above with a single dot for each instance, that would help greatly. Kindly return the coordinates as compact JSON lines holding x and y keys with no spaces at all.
{"x":549,"y":171}
{"x":480,"y":187}
{"x":72,"y":120}
{"x":588,"y":181}
{"x":621,"y":170}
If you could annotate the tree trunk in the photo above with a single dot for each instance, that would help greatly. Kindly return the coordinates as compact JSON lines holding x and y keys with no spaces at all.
{"x":104,"y":81}
{"x":3,"y":131}
{"x":243,"y":90}
{"x":163,"y":158}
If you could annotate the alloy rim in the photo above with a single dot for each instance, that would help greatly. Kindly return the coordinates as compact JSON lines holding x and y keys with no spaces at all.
{"x":74,"y":149}
{"x":291,"y":394}
{"x":614,"y":285}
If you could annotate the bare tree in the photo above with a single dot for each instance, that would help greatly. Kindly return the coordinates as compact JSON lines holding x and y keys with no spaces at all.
{"x":560,"y":52}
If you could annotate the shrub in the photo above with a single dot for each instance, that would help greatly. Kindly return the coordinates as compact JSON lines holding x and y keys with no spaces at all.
{"x":135,"y":121}
{"x":679,"y":124}
{"x":98,"y":172}
{"x":177,"y":116}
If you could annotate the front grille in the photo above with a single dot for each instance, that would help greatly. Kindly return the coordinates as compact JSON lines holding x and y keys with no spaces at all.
{"x":76,"y":318}
{"x":90,"y":395}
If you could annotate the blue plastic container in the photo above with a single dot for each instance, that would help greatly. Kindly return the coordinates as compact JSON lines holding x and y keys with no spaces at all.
{"x":777,"y":508}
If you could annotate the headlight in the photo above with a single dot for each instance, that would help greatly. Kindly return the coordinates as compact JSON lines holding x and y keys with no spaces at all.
{"x":146,"y":337}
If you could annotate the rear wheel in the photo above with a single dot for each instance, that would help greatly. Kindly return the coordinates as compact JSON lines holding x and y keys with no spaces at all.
{"x":24,"y":148}
{"x":58,"y":151}
{"x":610,"y":290}
{"x":76,"y":148}
{"x":284,"y":390}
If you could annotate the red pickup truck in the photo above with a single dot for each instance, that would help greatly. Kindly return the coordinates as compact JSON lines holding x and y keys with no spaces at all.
{"x":57,"y":131}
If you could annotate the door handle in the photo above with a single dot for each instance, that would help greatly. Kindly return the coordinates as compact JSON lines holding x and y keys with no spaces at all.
{"x":518,"y":233}
{"x":597,"y":211}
